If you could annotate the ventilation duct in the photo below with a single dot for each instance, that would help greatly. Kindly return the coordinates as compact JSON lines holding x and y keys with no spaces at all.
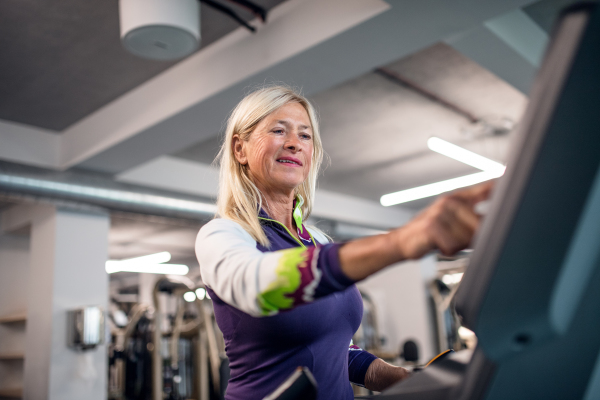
{"x":88,"y":190}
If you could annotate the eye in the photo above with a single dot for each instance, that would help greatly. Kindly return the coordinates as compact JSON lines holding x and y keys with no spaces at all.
{"x":278,"y":131}
{"x":305,"y":136}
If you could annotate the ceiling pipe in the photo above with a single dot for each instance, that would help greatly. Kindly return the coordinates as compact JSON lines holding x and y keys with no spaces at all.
{"x":88,"y":190}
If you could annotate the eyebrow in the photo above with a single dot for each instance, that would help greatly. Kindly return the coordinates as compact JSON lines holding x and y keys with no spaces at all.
{"x":287,"y":123}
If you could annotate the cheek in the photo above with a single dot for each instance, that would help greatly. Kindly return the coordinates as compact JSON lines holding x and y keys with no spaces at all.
{"x":261,"y":153}
{"x":308,"y":164}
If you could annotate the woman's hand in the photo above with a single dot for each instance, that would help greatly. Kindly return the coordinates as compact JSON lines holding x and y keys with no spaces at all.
{"x":449,"y":224}
{"x":381,"y":375}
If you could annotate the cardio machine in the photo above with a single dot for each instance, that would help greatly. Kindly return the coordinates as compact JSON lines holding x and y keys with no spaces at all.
{"x":532,"y":289}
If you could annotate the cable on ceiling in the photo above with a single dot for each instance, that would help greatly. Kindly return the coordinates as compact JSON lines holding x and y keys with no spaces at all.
{"x":253,"y":8}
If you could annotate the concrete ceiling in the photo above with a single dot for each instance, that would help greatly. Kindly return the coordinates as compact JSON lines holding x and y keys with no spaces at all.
{"x":136,"y":235}
{"x":375,"y":131}
{"x":63,"y":59}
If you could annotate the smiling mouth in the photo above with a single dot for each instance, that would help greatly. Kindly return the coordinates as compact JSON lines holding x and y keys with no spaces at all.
{"x":289,"y":162}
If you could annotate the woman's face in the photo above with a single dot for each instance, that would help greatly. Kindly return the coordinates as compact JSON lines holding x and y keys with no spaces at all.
{"x":279,"y":151}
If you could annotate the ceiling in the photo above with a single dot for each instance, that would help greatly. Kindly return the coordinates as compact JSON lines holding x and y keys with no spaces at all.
{"x":374,"y":130}
{"x":63,"y":59}
{"x":134,"y":235}
{"x":102,"y":109}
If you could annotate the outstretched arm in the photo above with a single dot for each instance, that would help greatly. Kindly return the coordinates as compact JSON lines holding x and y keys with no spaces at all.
{"x":266,"y":283}
{"x":448,"y":225}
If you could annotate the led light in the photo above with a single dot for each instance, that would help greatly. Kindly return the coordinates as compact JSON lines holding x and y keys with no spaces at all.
{"x":451,"y":279}
{"x":433,"y":189}
{"x":157,"y":258}
{"x":491,"y":170}
{"x":201,"y":293}
{"x":189,"y":296}
{"x":165,"y":269}
{"x":465,"y":156}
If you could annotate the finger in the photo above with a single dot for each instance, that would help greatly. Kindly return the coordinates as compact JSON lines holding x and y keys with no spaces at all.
{"x":475,"y":194}
{"x":454,"y":227}
{"x":449,"y":240}
{"x":448,"y":235}
{"x":466,"y":215}
{"x":460,"y":212}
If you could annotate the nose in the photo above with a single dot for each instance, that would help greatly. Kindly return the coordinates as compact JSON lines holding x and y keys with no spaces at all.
{"x":292,"y":143}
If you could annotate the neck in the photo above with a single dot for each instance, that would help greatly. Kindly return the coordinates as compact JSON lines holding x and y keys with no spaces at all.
{"x":279,"y":205}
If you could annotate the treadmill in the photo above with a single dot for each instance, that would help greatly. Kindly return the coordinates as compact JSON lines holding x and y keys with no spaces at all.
{"x":532,"y":290}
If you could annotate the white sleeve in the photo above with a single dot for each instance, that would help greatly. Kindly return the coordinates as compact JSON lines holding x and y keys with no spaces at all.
{"x":260,"y":283}
{"x":230,"y":262}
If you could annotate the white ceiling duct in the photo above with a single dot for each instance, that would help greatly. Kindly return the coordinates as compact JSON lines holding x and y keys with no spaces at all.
{"x":160,"y":29}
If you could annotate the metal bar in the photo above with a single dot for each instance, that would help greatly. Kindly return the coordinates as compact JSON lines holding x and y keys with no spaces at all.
{"x":213,"y":350}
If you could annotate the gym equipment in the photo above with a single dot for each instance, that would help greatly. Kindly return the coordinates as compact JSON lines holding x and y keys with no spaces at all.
{"x":161,"y":355}
{"x":530,"y":291}
{"x":368,"y":337}
{"x":410,"y":351}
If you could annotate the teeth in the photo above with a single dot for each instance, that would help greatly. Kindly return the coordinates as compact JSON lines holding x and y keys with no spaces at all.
{"x":287,"y":161}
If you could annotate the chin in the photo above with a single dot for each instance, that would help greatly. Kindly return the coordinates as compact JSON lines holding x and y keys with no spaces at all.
{"x":289,"y":184}
{"x":288,"y":180}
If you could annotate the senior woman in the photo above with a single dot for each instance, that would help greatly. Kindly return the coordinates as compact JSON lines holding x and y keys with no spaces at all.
{"x":283,"y":295}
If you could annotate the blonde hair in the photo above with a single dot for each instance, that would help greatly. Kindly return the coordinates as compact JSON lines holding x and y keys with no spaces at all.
{"x":239,"y":199}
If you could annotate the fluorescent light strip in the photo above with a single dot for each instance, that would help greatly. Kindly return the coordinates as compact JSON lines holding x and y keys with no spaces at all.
{"x":166,"y":269}
{"x":157,"y":258}
{"x":491,"y":169}
{"x":463,"y":155}
{"x":433,"y":189}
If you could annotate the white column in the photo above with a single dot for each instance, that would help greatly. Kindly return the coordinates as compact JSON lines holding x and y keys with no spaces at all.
{"x":68,"y":252}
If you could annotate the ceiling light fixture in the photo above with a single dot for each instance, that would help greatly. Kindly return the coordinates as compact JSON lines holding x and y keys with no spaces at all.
{"x":434,"y":189}
{"x":164,"y":269}
{"x":160,"y":29}
{"x":490,"y":170}
{"x":201,"y":293}
{"x":189,"y":296}
{"x":463,"y":155}
{"x":170,"y":29}
{"x":157,"y":258}
{"x":150,"y":264}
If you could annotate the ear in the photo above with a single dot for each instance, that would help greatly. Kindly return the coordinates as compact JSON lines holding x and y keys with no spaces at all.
{"x":237,"y":145}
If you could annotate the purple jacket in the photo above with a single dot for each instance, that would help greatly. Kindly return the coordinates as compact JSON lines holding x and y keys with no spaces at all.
{"x":282,"y":309}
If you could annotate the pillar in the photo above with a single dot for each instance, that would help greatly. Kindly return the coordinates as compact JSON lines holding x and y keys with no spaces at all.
{"x":67,"y":254}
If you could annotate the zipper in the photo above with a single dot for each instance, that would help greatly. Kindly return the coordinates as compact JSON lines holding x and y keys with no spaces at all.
{"x":290,"y":233}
